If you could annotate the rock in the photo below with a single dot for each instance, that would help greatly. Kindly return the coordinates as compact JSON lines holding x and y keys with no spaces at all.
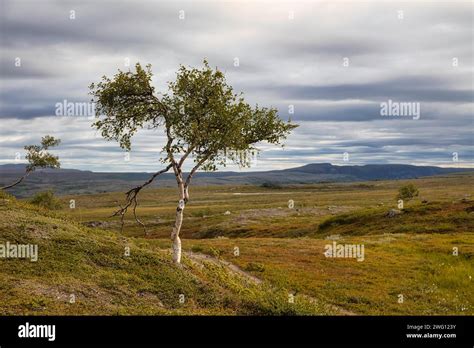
{"x":227,"y":213}
{"x":393,"y":212}
{"x":94,"y":224}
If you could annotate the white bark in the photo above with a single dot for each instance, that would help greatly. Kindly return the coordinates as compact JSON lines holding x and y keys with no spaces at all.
{"x":176,"y":229}
{"x":184,"y":197}
{"x":177,"y":249}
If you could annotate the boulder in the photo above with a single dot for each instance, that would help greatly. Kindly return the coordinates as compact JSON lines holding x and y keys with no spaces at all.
{"x":393,"y":212}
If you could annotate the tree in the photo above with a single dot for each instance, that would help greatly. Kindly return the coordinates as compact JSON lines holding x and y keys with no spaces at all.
{"x":38,"y":157}
{"x":201,"y":117}
{"x":407,"y":192}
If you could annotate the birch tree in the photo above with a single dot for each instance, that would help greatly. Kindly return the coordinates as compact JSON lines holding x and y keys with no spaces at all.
{"x":38,"y":157}
{"x":204,"y":122}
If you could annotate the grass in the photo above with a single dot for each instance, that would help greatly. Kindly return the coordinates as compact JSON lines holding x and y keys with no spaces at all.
{"x":90,"y":266}
{"x":432,"y":217}
{"x":258,"y":211}
{"x":410,"y":254}
{"x":420,"y":267}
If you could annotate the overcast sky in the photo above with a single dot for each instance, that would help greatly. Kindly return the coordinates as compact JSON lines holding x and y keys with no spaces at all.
{"x":333,"y":62}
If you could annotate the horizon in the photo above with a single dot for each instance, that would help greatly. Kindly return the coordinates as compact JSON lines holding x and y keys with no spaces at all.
{"x":225,"y":170}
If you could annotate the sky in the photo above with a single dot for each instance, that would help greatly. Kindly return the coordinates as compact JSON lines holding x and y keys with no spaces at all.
{"x":330,"y":66}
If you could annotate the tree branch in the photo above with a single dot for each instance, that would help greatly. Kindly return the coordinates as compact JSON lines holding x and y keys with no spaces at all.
{"x":188,"y":152}
{"x":191,"y":173}
{"x":17,"y":182}
{"x":174,"y":164}
{"x":132,"y":199}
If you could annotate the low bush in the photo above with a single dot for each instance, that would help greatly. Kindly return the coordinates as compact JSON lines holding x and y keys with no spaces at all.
{"x":46,"y":200}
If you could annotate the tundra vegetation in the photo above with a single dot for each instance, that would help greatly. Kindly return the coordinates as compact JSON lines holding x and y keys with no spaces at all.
{"x":407,"y":192}
{"x":424,"y":253}
{"x":46,"y":199}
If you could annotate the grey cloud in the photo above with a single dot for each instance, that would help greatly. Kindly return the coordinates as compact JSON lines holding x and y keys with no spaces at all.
{"x":409,"y":88}
{"x":282,"y":62}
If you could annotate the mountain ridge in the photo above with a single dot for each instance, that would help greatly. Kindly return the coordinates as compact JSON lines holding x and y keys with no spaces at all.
{"x":75,"y":181}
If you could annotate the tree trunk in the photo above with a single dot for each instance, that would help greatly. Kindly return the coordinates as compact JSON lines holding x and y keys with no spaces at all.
{"x":175,"y":234}
{"x":177,"y":225}
{"x":16,"y":182}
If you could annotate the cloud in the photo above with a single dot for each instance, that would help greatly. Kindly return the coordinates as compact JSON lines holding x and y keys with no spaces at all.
{"x":333,"y":62}
{"x":409,"y":88}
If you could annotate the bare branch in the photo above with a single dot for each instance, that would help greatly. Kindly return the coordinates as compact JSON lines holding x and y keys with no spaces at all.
{"x":132,"y":199}
{"x":17,"y":182}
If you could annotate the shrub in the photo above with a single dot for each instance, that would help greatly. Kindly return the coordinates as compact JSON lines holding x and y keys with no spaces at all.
{"x":271,"y":185}
{"x":5,"y":195}
{"x":197,"y":249}
{"x":46,"y":200}
{"x":216,"y":252}
{"x":255,"y":267}
{"x":407,"y":192}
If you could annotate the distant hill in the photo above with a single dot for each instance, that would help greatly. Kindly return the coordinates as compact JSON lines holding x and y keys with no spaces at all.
{"x":374,"y":171}
{"x":73,"y":181}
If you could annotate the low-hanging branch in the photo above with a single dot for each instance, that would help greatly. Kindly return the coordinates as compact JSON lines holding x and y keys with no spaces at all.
{"x":16,"y":182}
{"x":132,"y":199}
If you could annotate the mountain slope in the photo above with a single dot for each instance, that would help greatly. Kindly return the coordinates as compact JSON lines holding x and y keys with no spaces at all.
{"x":374,"y":171}
{"x":73,"y":181}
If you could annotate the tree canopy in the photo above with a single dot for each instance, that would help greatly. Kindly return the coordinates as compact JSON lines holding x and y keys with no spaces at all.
{"x":201,"y":115}
{"x":38,"y":157}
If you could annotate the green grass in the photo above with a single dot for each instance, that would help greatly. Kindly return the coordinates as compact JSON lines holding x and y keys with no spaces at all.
{"x":410,"y":254}
{"x":91,"y":265}
{"x":257,"y":211}
{"x":420,"y":267}
{"x":433,"y":217}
